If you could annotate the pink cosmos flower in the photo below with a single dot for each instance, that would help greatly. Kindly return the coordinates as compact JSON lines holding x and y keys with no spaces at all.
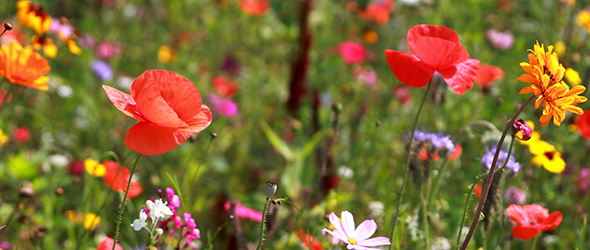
{"x":223,"y":106}
{"x":352,"y":52}
{"x":500,"y":40}
{"x":356,"y":238}
{"x":244,"y":212}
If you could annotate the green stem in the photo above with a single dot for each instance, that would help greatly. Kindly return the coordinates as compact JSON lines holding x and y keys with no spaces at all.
{"x":488,"y":183}
{"x":124,"y":200}
{"x":406,"y":170}
{"x":534,"y":243}
{"x":436,"y":182}
{"x":479,"y":178}
{"x":425,"y":226}
{"x":210,"y":240}
{"x":262,"y":225}
{"x":583,"y":233}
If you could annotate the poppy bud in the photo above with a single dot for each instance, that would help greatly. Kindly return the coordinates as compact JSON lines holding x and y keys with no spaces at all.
{"x":270,"y":189}
{"x":378,"y":123}
{"x":525,"y":130}
{"x":59,"y":191}
{"x":337,"y":107}
{"x":26,"y":190}
{"x":7,"y":26}
{"x":213,"y":135}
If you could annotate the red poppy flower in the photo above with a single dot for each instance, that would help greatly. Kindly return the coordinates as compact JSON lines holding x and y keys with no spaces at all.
{"x":378,"y":12}
{"x":532,"y":219}
{"x":224,"y":86}
{"x":583,"y":123}
{"x":168,"y":107}
{"x":436,"y":48}
{"x":107,"y":244}
{"x":116,"y":178}
{"x":488,"y":74}
{"x":254,"y":7}
{"x":352,"y":52}
{"x":309,"y":241}
{"x":21,"y":135}
{"x":477,"y":190}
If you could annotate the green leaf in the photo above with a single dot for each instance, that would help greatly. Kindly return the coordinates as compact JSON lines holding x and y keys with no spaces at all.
{"x":279,"y":145}
{"x":312,"y":143}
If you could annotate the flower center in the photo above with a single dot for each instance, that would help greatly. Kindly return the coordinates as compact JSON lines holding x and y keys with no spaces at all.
{"x":352,"y":241}
{"x":549,"y":155}
{"x":533,"y":222}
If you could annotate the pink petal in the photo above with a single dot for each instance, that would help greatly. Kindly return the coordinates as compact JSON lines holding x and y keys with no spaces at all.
{"x":151,"y":139}
{"x":465,"y":74}
{"x":123,"y":102}
{"x":373,"y":242}
{"x":408,"y":68}
{"x":336,"y":234}
{"x":348,"y":223}
{"x":337,"y":223}
{"x":365,"y":230}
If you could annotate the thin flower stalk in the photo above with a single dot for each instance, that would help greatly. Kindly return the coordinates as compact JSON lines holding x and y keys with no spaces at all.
{"x":125,"y":200}
{"x":486,"y":189}
{"x":263,"y":225}
{"x":401,"y":192}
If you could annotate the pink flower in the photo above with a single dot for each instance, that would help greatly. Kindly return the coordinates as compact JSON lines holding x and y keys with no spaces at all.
{"x":364,"y":76}
{"x":352,"y":52}
{"x":500,"y":40}
{"x":244,"y":212}
{"x":223,"y":106}
{"x":106,"y":50}
{"x":21,"y":135}
{"x":173,"y":199}
{"x":356,"y":238}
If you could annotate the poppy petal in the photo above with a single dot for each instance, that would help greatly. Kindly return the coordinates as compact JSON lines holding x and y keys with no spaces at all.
{"x":552,"y":221}
{"x":408,"y":68}
{"x":180,"y":93}
{"x":123,"y":102}
{"x":439,"y":53}
{"x":524,"y":232}
{"x":431,"y":31}
{"x":463,"y":78}
{"x":151,"y":103}
{"x":200,"y":121}
{"x":151,"y":139}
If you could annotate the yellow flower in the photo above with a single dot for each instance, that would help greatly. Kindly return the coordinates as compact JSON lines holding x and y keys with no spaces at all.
{"x":545,"y":74}
{"x":166,"y":54}
{"x":560,"y":48}
{"x":33,"y":16}
{"x":91,"y":221}
{"x":545,"y":155}
{"x":583,"y":20}
{"x":573,"y":77}
{"x":49,"y":49}
{"x":3,"y":138}
{"x":73,"y":216}
{"x":23,"y":66}
{"x":94,"y":168}
{"x":73,"y":47}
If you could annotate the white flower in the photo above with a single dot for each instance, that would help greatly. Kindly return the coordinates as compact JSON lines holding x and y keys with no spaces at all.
{"x":159,"y":210}
{"x":140,"y":223}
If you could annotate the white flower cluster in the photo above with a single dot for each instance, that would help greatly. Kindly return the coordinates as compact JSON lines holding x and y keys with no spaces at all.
{"x":158,"y":211}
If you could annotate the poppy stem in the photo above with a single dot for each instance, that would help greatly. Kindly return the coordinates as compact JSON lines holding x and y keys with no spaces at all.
{"x":484,"y":194}
{"x":124,"y":200}
{"x":401,"y":192}
{"x":262,"y":225}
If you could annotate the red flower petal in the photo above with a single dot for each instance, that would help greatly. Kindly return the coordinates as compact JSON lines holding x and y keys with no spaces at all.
{"x":437,"y":46}
{"x":165,"y":98}
{"x":408,"y":68}
{"x":583,"y":123}
{"x":552,"y":221}
{"x":200,"y":121}
{"x":465,"y":74}
{"x":135,"y":189}
{"x":151,"y":139}
{"x":107,"y":244}
{"x":123,"y":102}
{"x":524,"y":232}
{"x":517,"y":214}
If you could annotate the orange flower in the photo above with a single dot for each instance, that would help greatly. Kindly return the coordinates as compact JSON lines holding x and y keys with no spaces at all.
{"x":378,"y":12}
{"x":23,"y":66}
{"x":33,"y":16}
{"x":49,"y":49}
{"x":488,"y":74}
{"x":545,"y":74}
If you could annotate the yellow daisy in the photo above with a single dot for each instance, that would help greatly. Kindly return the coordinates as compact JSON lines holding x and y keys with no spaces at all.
{"x":545,"y":155}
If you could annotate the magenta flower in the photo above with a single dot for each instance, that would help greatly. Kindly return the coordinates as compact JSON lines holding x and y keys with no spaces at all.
{"x":244,"y":212}
{"x":223,"y":106}
{"x":500,"y":40}
{"x":356,"y":238}
{"x":352,"y":52}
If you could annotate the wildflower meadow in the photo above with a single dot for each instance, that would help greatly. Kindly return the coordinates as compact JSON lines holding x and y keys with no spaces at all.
{"x":294,"y":124}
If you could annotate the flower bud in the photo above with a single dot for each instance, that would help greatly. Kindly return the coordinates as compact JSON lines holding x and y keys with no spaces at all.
{"x":525,"y":130}
{"x":7,"y":26}
{"x":159,"y":231}
{"x":270,"y":189}
{"x":337,"y":107}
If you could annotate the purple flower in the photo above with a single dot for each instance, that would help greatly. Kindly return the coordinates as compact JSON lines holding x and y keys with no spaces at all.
{"x":439,"y":141}
{"x":223,"y":106}
{"x":356,"y":238}
{"x":500,"y":40}
{"x":487,"y":159}
{"x":102,"y":70}
{"x":583,"y":180}
{"x":61,"y":28}
{"x":231,"y":65}
{"x":515,"y":195}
